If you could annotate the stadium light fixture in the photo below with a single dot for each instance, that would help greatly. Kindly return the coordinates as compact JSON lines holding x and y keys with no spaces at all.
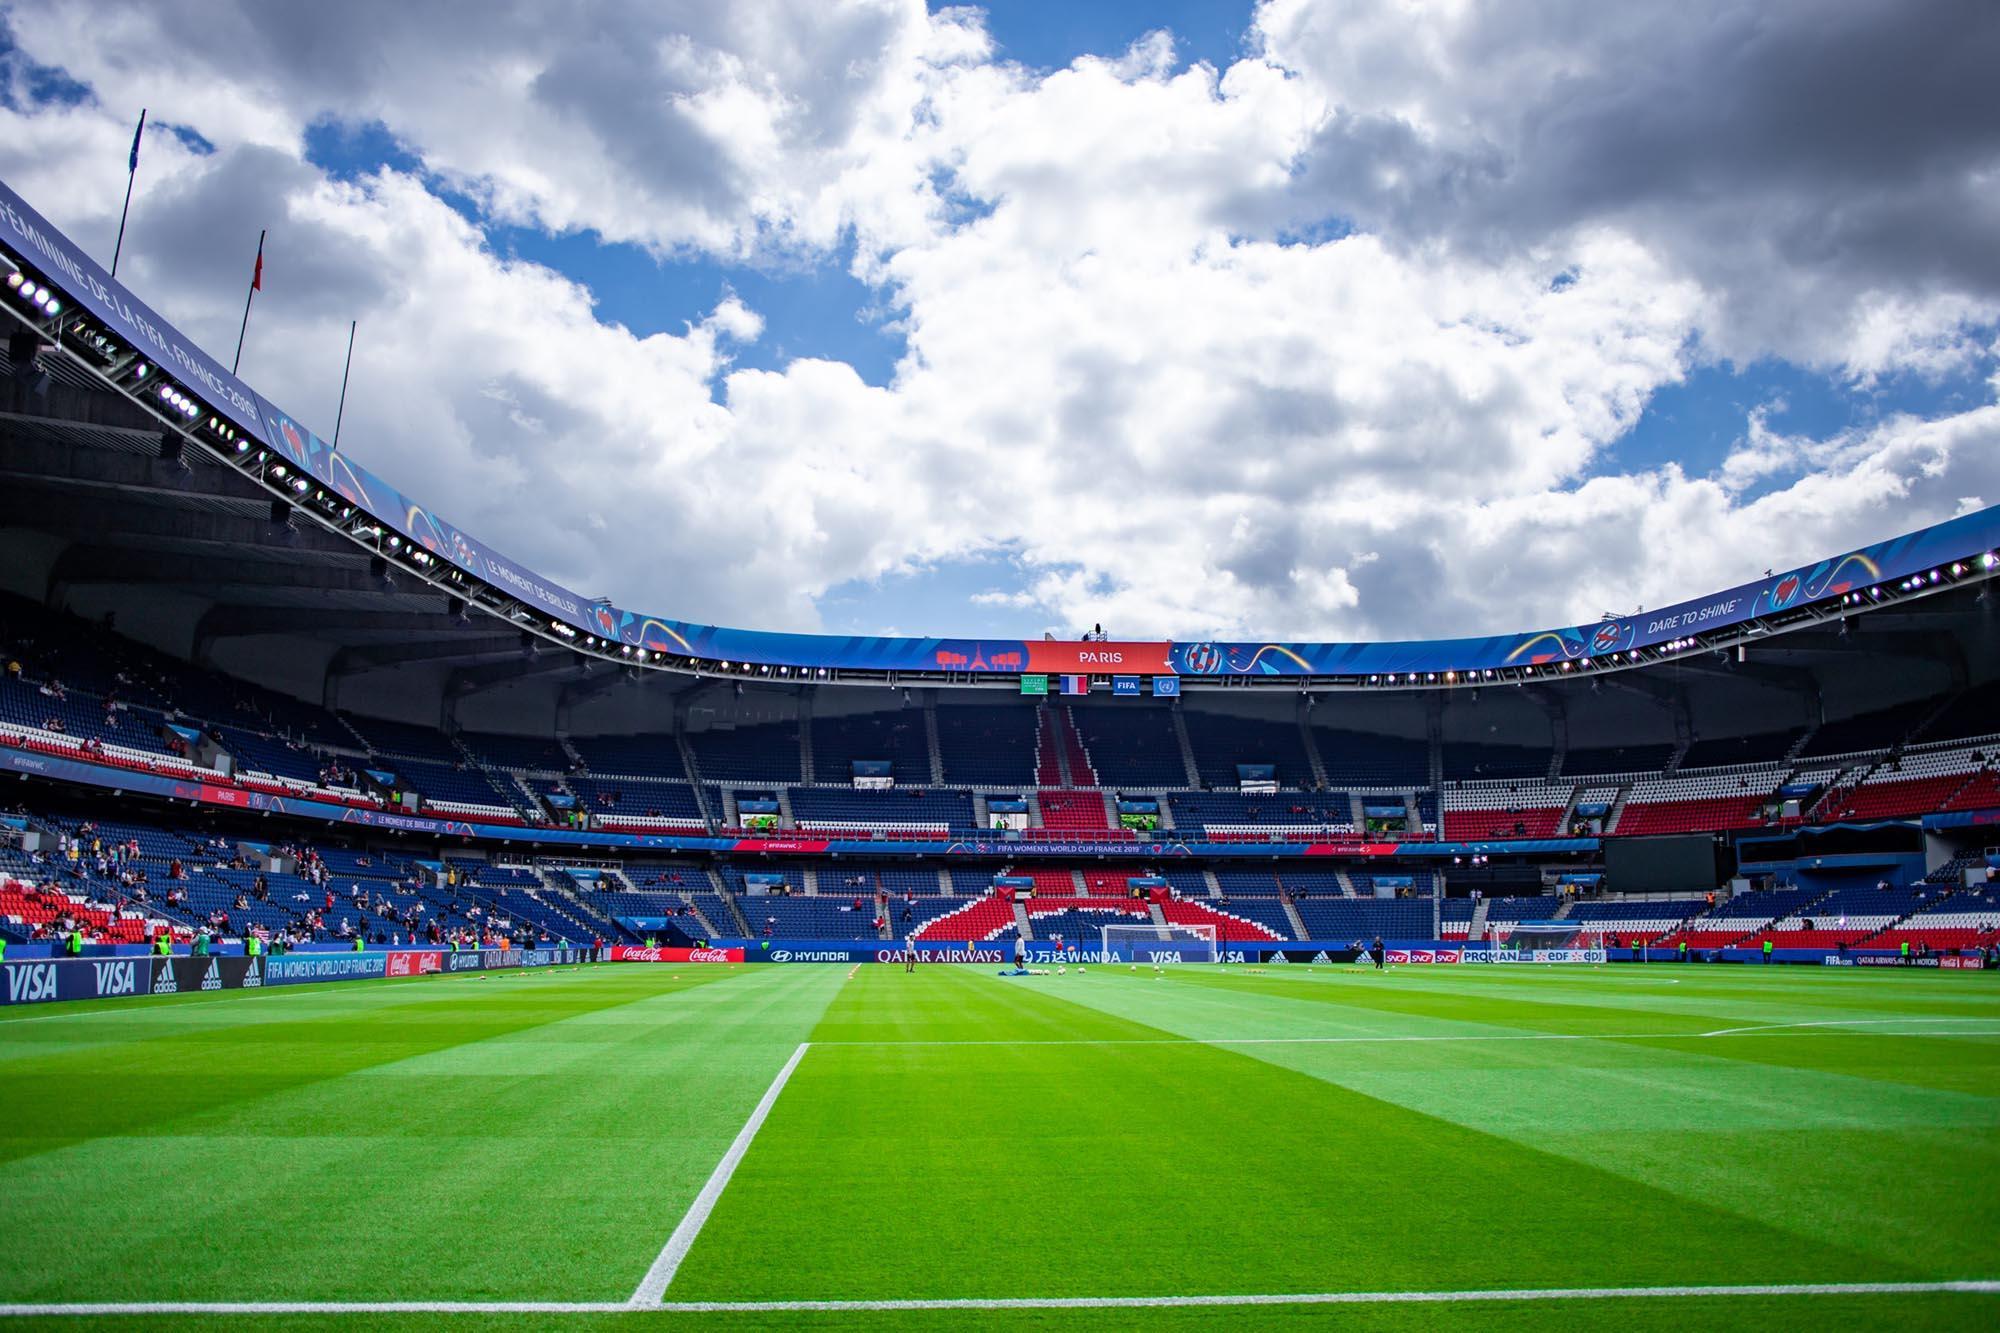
{"x":16,"y":278}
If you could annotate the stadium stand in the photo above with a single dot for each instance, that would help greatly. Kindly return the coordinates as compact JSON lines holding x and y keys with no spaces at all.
{"x":1132,"y":748}
{"x":897,"y":738}
{"x":1221,"y":742}
{"x":986,"y":745}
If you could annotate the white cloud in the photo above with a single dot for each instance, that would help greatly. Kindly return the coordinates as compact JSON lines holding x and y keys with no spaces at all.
{"x":1124,"y":371}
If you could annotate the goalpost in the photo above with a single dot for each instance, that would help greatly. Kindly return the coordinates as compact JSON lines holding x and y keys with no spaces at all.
{"x":1159,"y":944}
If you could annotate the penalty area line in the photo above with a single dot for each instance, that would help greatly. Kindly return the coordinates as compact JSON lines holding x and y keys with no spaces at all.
{"x":158,"y":1308}
{"x":653,"y":1286}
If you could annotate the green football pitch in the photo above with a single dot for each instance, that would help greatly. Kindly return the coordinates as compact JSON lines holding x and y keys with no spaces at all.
{"x":635,"y":1145}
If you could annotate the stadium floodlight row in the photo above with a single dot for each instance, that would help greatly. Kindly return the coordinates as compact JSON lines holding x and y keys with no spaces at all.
{"x":79,"y":312}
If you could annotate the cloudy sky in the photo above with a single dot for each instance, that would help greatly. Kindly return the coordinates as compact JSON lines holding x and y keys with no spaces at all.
{"x":1308,"y":319}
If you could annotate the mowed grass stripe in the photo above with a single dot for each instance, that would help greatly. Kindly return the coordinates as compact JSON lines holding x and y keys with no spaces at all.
{"x":1713,"y":1003}
{"x":530,"y":1141}
{"x":1821,"y":1147}
{"x":1663,"y":998}
{"x":939,"y":1171}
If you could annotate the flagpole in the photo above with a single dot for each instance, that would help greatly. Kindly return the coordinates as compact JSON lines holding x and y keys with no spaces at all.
{"x":131,"y":174}
{"x":256,"y":275}
{"x":344,"y":370}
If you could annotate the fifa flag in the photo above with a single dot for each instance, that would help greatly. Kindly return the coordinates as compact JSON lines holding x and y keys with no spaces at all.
{"x":1125,"y":685}
{"x":1075,"y":684}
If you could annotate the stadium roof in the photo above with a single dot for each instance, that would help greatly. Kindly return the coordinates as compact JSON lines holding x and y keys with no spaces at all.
{"x":141,"y":463}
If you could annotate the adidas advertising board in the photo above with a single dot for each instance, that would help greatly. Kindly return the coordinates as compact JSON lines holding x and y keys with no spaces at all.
{"x":1311,"y":953}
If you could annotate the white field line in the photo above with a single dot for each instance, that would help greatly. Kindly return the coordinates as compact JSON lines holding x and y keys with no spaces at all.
{"x":1772,"y":1030}
{"x":1911,"y":1019}
{"x":159,"y":1308}
{"x":653,"y":1286}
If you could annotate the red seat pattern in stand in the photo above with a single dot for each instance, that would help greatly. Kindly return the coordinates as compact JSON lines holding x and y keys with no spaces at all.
{"x":1982,"y":793}
{"x":1806,"y":939}
{"x":1082,"y":773}
{"x":1703,"y":939}
{"x":980,"y":919}
{"x":1122,"y":906}
{"x":1701,"y":816}
{"x":38,"y":907}
{"x":1938,"y":938}
{"x":1078,"y":811}
{"x":1227,"y":925}
{"x":1485,"y":825}
{"x":1107,"y":883}
{"x":1048,"y":769}
{"x":1919,"y":796}
{"x":1053,"y":883}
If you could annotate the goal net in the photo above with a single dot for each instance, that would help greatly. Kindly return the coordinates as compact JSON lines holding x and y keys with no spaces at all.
{"x":1159,"y":944}
{"x":1550,"y":942}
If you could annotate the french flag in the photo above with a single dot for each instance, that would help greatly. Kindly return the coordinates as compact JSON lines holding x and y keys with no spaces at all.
{"x":1075,"y":684}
